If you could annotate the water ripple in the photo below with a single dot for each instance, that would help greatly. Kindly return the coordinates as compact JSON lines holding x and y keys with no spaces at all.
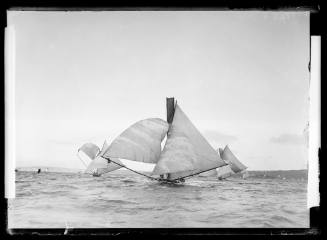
{"x":125,"y":200}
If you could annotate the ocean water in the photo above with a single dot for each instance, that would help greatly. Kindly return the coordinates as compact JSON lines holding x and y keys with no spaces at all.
{"x":123,"y":199}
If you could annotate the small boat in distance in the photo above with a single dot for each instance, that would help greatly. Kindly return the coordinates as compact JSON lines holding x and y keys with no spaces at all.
{"x":234,"y":165}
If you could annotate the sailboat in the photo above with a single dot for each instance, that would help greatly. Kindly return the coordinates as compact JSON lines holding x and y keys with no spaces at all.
{"x":234,"y":165}
{"x":185,"y":153}
{"x":97,"y":165}
{"x":226,"y":171}
{"x":90,"y":151}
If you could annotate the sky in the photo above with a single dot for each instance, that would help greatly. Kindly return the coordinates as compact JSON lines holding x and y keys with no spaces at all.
{"x":242,"y":78}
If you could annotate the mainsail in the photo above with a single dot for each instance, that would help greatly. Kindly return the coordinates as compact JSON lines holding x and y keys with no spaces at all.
{"x":232,"y":161}
{"x":186,"y":151}
{"x":140,"y":142}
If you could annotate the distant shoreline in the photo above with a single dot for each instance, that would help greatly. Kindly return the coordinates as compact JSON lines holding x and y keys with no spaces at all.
{"x":301,"y":173}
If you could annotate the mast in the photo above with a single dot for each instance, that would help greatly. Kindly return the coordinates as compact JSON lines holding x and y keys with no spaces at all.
{"x":221,"y":151}
{"x":170,"y":105}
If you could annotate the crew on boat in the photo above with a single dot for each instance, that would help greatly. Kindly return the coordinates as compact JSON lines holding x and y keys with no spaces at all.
{"x":95,"y":173}
{"x":167,"y":176}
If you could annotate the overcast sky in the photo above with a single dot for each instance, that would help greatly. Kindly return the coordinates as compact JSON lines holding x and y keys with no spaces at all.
{"x":241,"y":77}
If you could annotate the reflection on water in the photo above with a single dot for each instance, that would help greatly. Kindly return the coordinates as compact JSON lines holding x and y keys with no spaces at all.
{"x":124,"y":199}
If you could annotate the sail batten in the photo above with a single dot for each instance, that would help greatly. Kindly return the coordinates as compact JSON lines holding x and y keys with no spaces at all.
{"x":186,"y":151}
{"x":140,"y":142}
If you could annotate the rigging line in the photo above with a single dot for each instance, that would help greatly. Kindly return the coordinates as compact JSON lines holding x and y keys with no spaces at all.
{"x":152,"y":178}
{"x":130,"y":169}
{"x":199,"y":172}
{"x":193,"y":174}
{"x":98,"y":153}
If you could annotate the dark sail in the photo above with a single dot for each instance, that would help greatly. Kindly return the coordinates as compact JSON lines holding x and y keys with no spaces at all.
{"x":170,"y":103}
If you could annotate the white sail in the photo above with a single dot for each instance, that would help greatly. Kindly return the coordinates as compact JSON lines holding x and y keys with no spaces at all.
{"x":90,"y":149}
{"x":224,"y":172}
{"x":186,"y":151}
{"x":101,"y":165}
{"x":140,"y":142}
{"x":87,"y":153}
{"x":234,"y":163}
{"x":210,"y":173}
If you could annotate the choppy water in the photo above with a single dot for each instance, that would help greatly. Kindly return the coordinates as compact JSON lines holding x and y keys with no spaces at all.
{"x":125,"y":199}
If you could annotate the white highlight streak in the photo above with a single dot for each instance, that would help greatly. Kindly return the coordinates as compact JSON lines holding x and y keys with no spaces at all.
{"x":10,"y":132}
{"x":314,"y":123}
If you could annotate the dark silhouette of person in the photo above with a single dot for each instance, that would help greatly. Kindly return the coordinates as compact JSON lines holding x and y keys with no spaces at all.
{"x":38,"y":171}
